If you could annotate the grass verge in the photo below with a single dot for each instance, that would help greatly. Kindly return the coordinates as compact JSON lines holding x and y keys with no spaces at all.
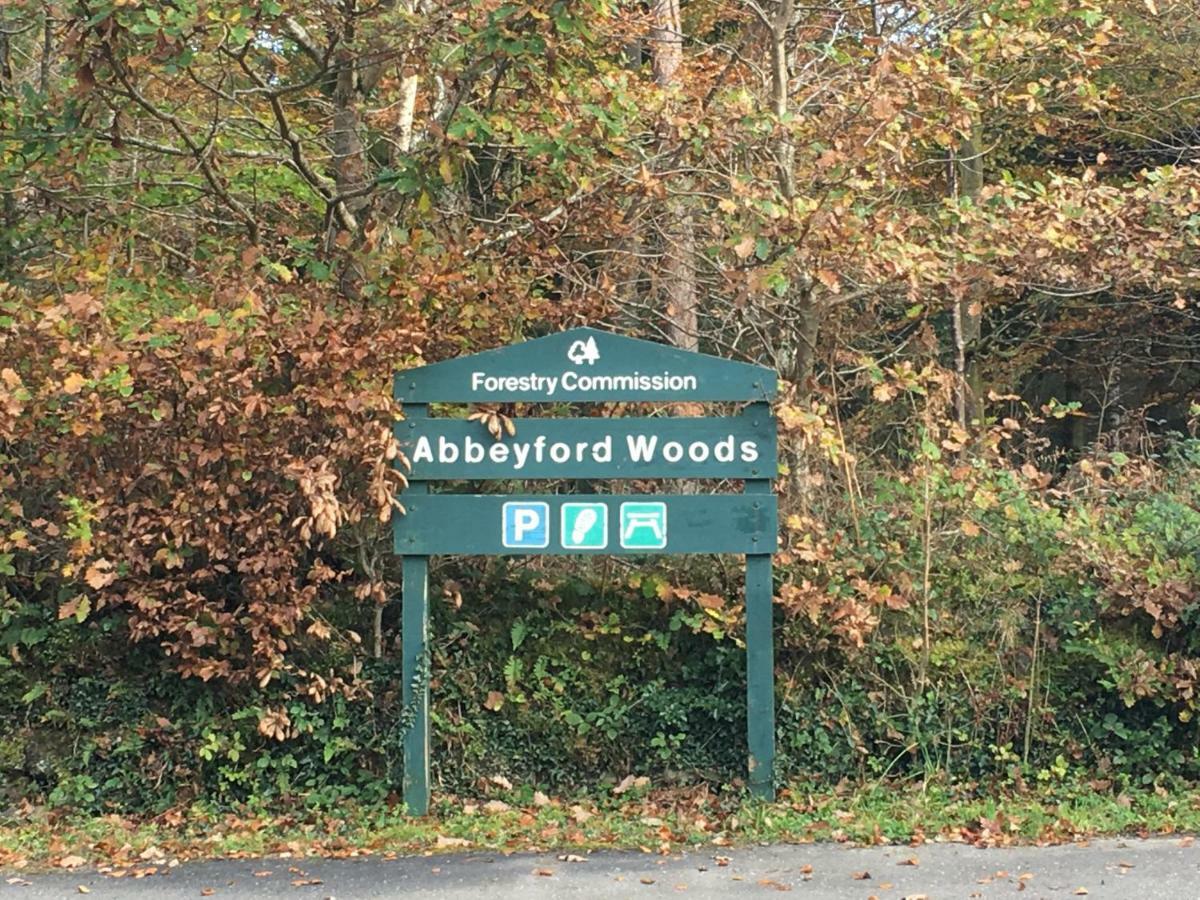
{"x":655,"y":821}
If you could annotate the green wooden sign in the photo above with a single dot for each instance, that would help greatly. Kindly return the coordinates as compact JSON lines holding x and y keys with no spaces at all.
{"x":585,"y":365}
{"x":599,"y":448}
{"x":500,"y":525}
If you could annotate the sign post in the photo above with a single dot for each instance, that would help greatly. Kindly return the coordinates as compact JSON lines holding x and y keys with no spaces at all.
{"x":588,"y":366}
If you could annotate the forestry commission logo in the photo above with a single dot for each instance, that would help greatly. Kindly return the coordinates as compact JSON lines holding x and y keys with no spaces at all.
{"x":584,"y":351}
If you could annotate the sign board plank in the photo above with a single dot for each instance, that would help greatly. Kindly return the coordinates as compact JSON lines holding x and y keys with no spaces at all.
{"x":599,"y":448}
{"x":583,"y":524}
{"x":585,"y":365}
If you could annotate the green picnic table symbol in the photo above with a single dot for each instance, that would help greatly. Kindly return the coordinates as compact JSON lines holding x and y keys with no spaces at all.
{"x":644,"y":526}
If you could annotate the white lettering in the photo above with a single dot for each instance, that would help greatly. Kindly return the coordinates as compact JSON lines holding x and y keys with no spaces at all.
{"x":672,"y":451}
{"x":560,"y":453}
{"x":447,"y":452}
{"x":498,"y":452}
{"x":422,"y":452}
{"x":724,"y":450}
{"x":473,"y":451}
{"x":698,"y":451}
{"x":520,"y":454}
{"x":749,"y":451}
{"x":602,"y":450}
{"x":524,"y":520}
{"x":641,"y":447}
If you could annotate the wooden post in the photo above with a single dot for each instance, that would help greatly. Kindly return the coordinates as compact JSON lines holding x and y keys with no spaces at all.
{"x":415,"y":660}
{"x":760,"y":652}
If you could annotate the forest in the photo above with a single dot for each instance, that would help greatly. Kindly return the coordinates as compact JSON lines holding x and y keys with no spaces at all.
{"x":964,"y":233}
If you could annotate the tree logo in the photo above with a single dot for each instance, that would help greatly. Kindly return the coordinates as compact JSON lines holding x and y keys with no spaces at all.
{"x":584,"y":351}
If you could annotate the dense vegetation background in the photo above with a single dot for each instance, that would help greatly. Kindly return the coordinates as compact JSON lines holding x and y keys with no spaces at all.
{"x":965,"y":233}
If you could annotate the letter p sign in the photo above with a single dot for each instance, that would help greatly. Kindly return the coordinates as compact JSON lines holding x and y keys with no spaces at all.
{"x":526,"y":525}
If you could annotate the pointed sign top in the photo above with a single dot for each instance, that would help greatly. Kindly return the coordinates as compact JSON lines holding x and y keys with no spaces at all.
{"x":585,"y":365}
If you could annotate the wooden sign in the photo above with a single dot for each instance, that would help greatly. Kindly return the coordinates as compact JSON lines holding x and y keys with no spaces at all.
{"x":585,"y":365}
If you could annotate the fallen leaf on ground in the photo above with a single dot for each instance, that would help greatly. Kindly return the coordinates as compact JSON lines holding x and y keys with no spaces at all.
{"x":206,"y":892}
{"x":263,"y":874}
{"x":774,"y":885}
{"x":911,"y":861}
{"x":84,"y":889}
{"x":572,"y":857}
{"x":721,"y":860}
{"x":540,"y":799}
{"x":444,"y":841}
{"x":861,"y":876}
{"x":806,"y":869}
{"x":19,"y":882}
{"x":302,"y":882}
{"x":543,"y":873}
{"x":1080,"y":891}
{"x":72,"y":862}
{"x":646,"y":880}
{"x":501,"y":782}
{"x":496,"y":806}
{"x":629,"y":782}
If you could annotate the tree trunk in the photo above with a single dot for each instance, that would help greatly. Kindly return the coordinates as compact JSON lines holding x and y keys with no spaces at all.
{"x":966,"y":180}
{"x":677,"y":274}
{"x":349,"y":159}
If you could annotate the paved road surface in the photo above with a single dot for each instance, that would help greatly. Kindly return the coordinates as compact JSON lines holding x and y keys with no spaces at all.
{"x":1131,"y":869}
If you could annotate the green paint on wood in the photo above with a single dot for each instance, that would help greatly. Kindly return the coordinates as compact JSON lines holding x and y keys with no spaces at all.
{"x":715,"y":447}
{"x":585,"y":365}
{"x":531,"y":524}
{"x":414,"y":632}
{"x":760,"y":662}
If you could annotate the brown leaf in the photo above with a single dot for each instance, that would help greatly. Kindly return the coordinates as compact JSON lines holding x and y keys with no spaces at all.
{"x":774,"y":885}
{"x":445,"y":841}
{"x":207,"y":892}
{"x":645,"y":880}
{"x":543,"y":873}
{"x":72,"y":862}
{"x":494,"y":701}
{"x":910,"y":861}
{"x":861,"y":876}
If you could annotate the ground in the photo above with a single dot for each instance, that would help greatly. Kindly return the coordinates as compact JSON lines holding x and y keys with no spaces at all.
{"x":1151,"y":869}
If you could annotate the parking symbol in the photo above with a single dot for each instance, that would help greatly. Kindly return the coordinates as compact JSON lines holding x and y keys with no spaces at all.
{"x":584,"y":526}
{"x":643,"y":526}
{"x":526,"y":525}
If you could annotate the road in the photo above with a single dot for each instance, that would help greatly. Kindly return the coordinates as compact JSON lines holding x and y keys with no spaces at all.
{"x":1156,"y":869}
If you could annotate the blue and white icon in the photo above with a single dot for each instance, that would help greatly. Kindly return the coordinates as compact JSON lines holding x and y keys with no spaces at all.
{"x":644,"y":526}
{"x":584,"y":526}
{"x":526,"y":525}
